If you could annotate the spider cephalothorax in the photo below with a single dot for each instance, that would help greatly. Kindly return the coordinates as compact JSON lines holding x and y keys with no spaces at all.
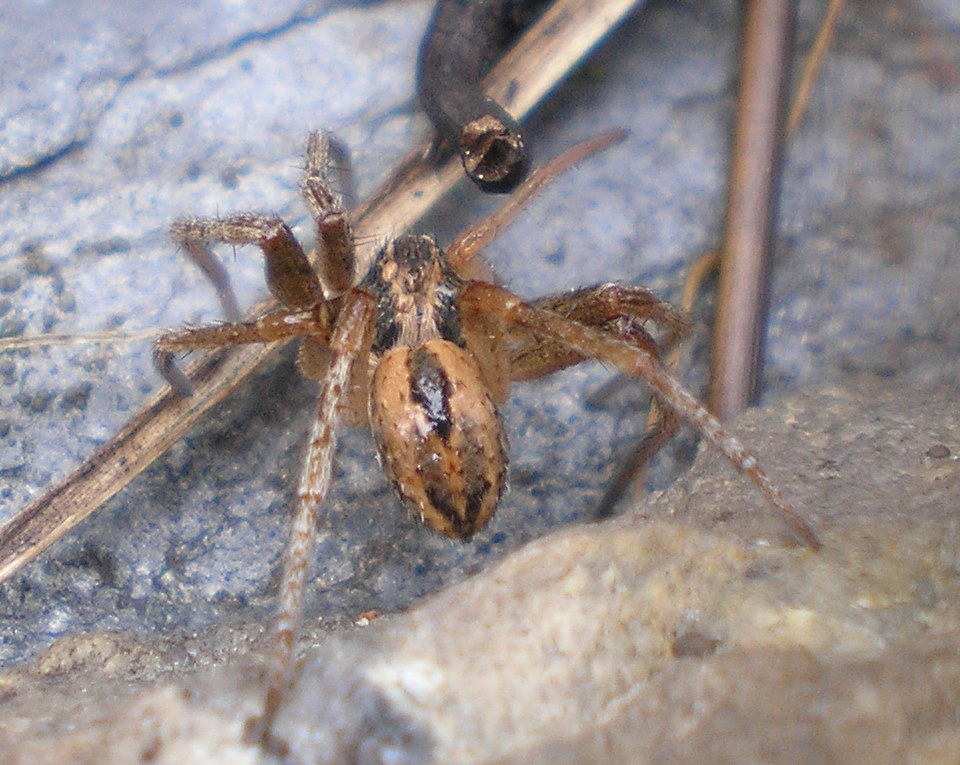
{"x":416,"y":292}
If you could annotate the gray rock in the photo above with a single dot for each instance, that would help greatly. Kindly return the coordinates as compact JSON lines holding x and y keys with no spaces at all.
{"x":684,"y":632}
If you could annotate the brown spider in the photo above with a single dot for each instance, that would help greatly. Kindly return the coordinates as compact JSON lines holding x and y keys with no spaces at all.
{"x":421,"y":344}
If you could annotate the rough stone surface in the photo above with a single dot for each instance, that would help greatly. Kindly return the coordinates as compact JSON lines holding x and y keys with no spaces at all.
{"x":686,"y":631}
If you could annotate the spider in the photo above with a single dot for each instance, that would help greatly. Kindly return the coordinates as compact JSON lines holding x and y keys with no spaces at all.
{"x":419,"y":343}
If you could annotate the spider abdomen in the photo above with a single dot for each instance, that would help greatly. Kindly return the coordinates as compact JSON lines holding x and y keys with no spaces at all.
{"x":438,"y":435}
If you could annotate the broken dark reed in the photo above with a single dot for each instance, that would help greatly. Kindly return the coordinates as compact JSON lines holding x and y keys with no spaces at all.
{"x":464,"y":39}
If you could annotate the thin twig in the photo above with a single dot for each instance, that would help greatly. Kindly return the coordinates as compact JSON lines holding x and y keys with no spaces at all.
{"x":751,"y":204}
{"x":112,"y":337}
{"x":812,"y":68}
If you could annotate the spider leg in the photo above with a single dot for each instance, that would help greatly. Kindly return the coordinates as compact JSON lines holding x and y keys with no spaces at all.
{"x":336,"y":244}
{"x":526,"y":355}
{"x":290,"y":277}
{"x":637,"y":361}
{"x":615,"y":308}
{"x":619,"y":308}
{"x":184,"y":234}
{"x":483,"y":232}
{"x":661,"y":426}
{"x":278,"y":325}
{"x":348,"y":345}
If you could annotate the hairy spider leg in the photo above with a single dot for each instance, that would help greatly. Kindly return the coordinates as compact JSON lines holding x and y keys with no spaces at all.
{"x":639,"y":362}
{"x":349,"y":343}
{"x":484,"y":231}
{"x":622,"y":310}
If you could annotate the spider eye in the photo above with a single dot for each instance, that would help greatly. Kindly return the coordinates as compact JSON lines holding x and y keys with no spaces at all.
{"x":439,"y":436}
